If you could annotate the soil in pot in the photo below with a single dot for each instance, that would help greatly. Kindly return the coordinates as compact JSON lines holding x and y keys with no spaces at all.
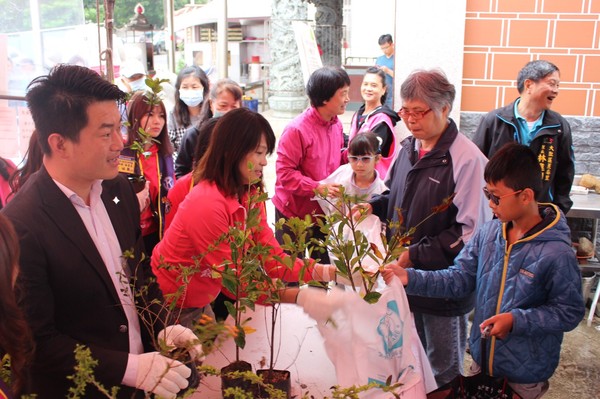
{"x":237,"y":382}
{"x":280,"y":379}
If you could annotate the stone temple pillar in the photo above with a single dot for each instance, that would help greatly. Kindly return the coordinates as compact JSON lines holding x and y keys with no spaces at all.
{"x":329,"y":20}
{"x":287,"y":98}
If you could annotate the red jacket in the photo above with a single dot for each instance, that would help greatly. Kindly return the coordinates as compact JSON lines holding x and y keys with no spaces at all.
{"x":201,"y":219}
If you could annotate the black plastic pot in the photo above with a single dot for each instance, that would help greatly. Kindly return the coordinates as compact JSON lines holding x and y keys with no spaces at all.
{"x":280,"y":379}
{"x":228,"y":381}
{"x":137,"y":181}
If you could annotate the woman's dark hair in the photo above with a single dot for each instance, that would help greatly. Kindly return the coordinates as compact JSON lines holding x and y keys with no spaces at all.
{"x":365,"y":143}
{"x":375,"y":70}
{"x":15,"y":336}
{"x":516,"y":166}
{"x":138,"y":106}
{"x":324,"y":82}
{"x":204,"y":134}
{"x":4,"y":172}
{"x":181,"y":110}
{"x":220,"y":86}
{"x":220,"y":163}
{"x":31,"y":164}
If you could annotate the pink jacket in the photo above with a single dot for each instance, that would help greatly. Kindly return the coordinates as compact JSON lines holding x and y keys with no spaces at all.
{"x":203,"y":216}
{"x":372,"y":121}
{"x":309,"y":150}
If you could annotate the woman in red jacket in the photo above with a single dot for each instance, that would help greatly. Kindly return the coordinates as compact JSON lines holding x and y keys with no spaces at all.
{"x":219,"y":201}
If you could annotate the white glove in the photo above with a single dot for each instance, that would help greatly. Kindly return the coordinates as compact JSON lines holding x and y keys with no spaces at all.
{"x":319,"y":303}
{"x":160,"y":375}
{"x":178,"y":336}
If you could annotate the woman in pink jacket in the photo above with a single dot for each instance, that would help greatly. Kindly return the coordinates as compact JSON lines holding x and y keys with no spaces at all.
{"x":310,"y":149}
{"x":374,"y":116}
{"x":217,"y":202}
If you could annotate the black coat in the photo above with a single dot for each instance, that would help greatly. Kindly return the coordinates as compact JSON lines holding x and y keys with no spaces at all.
{"x":66,"y":292}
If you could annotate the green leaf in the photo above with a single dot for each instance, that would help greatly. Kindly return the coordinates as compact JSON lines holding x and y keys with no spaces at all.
{"x":372,"y":297}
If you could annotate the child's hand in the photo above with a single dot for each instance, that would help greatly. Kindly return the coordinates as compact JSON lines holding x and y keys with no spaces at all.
{"x":394,"y":269}
{"x":364,"y":208}
{"x":501,"y":325}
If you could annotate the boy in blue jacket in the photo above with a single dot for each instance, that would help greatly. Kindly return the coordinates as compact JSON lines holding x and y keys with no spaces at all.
{"x":523,"y":272}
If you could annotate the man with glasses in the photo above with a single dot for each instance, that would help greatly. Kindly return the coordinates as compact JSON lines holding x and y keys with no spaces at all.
{"x":529,"y":121}
{"x":523,"y":272}
{"x":386,"y":63}
{"x":434,"y":163}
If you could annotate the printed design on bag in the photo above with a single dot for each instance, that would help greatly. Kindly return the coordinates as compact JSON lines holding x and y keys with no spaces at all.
{"x":390,"y":330}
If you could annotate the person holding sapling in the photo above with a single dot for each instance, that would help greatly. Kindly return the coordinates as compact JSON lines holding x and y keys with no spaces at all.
{"x":433,"y":164}
{"x":310,"y":149}
{"x":75,"y":219}
{"x":149,"y":154}
{"x":523,"y":272}
{"x":227,"y":186}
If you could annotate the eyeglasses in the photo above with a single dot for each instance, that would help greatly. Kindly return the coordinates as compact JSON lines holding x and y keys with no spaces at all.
{"x":363,"y":159}
{"x":494,"y":198}
{"x":416,"y":115}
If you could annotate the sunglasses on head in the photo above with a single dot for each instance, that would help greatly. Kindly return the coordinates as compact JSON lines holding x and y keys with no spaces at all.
{"x":496,"y":199}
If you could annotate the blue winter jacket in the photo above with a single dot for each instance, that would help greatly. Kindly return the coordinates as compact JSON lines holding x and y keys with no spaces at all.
{"x":536,"y":278}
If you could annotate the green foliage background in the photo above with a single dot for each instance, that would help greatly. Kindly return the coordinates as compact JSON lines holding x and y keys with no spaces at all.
{"x":15,"y":15}
{"x":124,"y":10}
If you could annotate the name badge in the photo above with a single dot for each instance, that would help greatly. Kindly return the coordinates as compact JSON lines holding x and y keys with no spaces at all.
{"x":126,"y":164}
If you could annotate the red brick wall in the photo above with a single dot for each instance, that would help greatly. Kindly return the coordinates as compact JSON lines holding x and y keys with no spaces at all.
{"x":502,"y":35}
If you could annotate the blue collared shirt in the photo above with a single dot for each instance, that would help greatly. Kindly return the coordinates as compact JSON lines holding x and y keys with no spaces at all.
{"x":526,"y":132}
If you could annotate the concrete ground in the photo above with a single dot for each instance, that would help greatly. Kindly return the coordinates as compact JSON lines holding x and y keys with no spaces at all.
{"x":577,"y":376}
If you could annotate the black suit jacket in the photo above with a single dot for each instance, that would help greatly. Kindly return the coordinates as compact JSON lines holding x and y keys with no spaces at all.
{"x":66,"y":291}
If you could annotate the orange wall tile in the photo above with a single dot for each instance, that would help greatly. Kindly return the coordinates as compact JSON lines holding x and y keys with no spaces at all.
{"x":478,"y":5}
{"x":528,"y":33}
{"x":474,"y":65}
{"x":571,"y":102}
{"x":516,"y":5}
{"x":478,"y":98}
{"x":479,"y":32}
{"x":506,"y":66}
{"x":566,"y":63}
{"x":591,"y":68}
{"x":503,"y":35}
{"x":596,"y":96}
{"x":572,"y":6}
{"x":507,"y":95}
{"x":574,"y":34}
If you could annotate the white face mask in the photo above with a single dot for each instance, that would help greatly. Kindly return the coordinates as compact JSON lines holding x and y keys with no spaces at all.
{"x":138,"y":85}
{"x":191,"y":98}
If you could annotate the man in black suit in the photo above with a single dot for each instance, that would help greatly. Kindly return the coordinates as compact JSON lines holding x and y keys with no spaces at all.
{"x":75,"y":219}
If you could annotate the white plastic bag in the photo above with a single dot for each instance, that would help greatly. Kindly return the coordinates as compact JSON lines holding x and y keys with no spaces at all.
{"x":371,"y":342}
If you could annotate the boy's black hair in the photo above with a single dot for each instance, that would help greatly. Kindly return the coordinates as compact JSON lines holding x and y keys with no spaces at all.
{"x":366,"y":143}
{"x":383,"y":39}
{"x":324,"y":82}
{"x":516,"y":166}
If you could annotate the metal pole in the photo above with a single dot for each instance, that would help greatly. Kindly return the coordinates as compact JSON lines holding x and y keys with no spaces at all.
{"x":109,"y":6}
{"x":170,"y":20}
{"x":222,"y":28}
